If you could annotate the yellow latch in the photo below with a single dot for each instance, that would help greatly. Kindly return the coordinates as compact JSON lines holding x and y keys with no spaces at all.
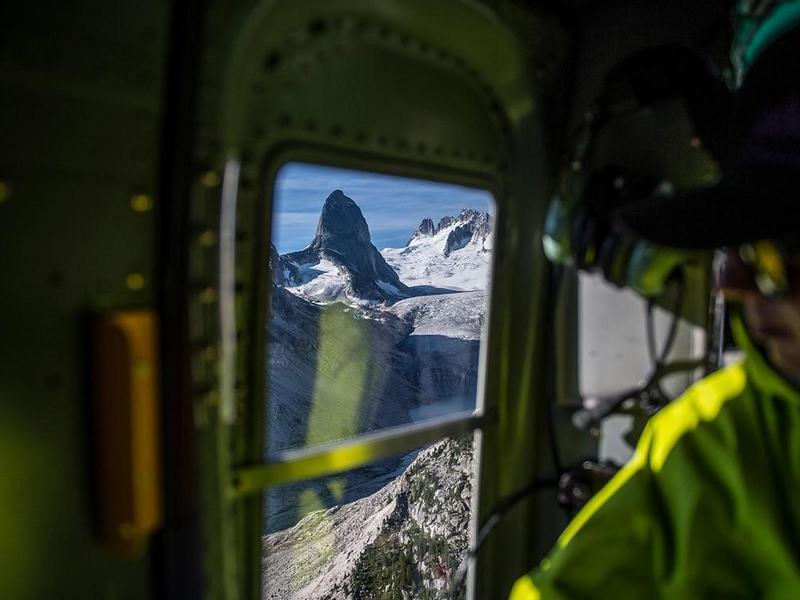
{"x":126,"y":429}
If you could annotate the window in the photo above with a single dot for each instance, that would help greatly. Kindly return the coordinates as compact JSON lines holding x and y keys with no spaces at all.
{"x":377,"y":309}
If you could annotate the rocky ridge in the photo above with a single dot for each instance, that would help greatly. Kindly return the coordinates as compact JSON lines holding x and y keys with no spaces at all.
{"x":470,"y":226}
{"x":455,"y":255}
{"x":405,"y":541}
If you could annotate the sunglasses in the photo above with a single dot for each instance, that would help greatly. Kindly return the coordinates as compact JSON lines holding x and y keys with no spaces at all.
{"x":771,"y":264}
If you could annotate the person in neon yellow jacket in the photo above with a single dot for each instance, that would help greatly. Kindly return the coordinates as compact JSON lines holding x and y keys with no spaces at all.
{"x":709,"y":504}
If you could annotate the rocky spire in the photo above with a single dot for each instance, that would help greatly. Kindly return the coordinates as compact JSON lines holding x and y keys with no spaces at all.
{"x":341,"y":222}
{"x":445,"y":222}
{"x":472,"y":227}
{"x":282,"y":272}
{"x":276,"y":266}
{"x":458,"y":238}
{"x":425,"y":229}
{"x":343,"y":238}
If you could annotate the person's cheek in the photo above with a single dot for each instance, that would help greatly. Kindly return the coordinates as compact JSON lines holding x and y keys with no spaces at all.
{"x":754,"y":319}
{"x":790,"y":313}
{"x":785,"y":355}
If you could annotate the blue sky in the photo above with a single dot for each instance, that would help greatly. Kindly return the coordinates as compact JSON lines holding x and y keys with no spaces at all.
{"x":392,"y":206}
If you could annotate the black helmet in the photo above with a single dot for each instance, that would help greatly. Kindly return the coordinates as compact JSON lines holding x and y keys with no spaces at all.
{"x":757,"y":146}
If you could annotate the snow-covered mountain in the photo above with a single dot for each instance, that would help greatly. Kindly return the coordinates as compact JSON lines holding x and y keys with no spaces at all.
{"x":409,"y":538}
{"x":454,"y":255}
{"x":341,"y":263}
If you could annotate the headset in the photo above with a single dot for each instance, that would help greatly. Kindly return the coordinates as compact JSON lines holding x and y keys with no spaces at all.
{"x":668,"y":95}
{"x":683,"y":104}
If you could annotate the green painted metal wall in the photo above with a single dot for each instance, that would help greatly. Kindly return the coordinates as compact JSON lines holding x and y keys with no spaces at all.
{"x":80,"y":115}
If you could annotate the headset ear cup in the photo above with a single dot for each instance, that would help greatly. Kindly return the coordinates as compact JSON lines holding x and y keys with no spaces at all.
{"x":589,"y":245}
{"x":557,"y":239}
{"x":578,"y":234}
{"x":586,"y":233}
{"x":606,"y":258}
{"x":651,"y":266}
{"x":614,"y":257}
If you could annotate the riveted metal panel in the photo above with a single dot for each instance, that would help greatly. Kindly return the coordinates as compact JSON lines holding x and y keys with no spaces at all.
{"x":80,"y":123}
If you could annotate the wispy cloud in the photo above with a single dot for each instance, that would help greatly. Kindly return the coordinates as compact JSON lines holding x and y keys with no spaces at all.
{"x":392,"y":206}
{"x":292,"y":219}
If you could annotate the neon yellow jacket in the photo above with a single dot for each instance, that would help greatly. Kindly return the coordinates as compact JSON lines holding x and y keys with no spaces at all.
{"x":708,"y":507}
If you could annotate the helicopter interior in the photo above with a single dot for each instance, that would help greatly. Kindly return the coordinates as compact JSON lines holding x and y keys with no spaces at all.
{"x":139,"y":182}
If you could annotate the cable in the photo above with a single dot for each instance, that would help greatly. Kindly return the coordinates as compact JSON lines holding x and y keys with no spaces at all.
{"x":584,"y":418}
{"x":508,"y":503}
{"x":651,"y":333}
{"x":676,"y":313}
{"x":655,"y":358}
{"x":555,"y":453}
{"x":550,"y":417}
{"x":486,"y":529}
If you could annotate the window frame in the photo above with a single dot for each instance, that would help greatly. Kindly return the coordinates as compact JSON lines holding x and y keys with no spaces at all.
{"x":260,"y":136}
{"x":245,"y":481}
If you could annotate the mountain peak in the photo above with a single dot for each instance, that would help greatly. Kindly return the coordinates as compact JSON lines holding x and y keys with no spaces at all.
{"x":425,"y":229}
{"x":467,"y":214}
{"x":471,"y":227}
{"x":343,"y":238}
{"x":341,"y":217}
{"x":338,"y":198}
{"x":444,"y":222}
{"x":283,"y":272}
